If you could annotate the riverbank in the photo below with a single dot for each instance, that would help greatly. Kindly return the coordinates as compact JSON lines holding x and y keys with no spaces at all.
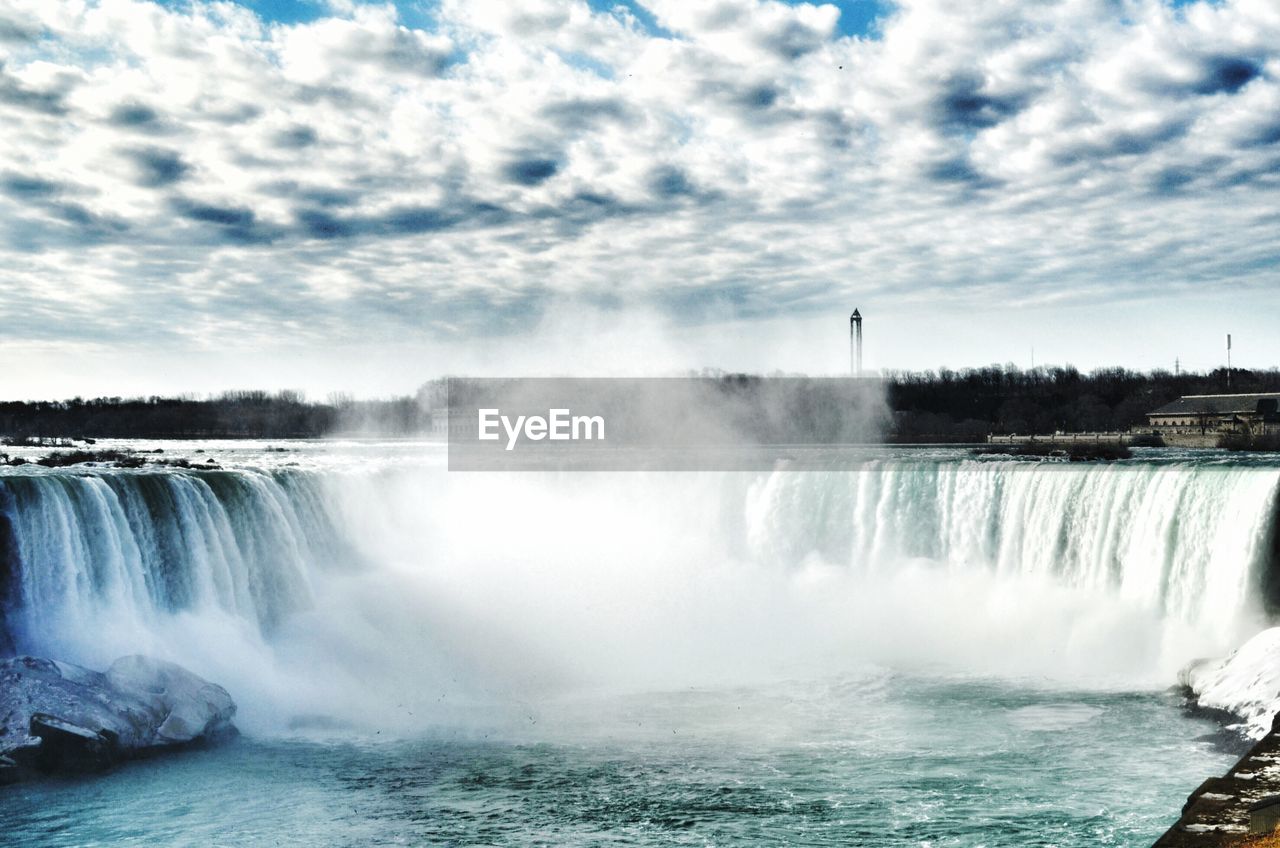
{"x":1219,"y":811}
{"x":1243,"y":690}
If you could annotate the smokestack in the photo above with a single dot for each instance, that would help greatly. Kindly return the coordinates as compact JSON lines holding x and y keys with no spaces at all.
{"x":855,"y":343}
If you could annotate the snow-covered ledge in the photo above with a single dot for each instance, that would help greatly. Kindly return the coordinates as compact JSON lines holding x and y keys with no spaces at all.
{"x":1245,"y":684}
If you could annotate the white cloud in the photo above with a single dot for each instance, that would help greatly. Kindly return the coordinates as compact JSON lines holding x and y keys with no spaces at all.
{"x":221,"y":180}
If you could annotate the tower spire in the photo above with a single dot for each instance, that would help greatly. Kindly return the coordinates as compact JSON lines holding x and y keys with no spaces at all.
{"x":855,"y":343}
{"x":1228,"y":362}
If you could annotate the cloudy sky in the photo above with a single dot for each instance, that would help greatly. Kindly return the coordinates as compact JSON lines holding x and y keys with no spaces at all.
{"x":349,"y":195}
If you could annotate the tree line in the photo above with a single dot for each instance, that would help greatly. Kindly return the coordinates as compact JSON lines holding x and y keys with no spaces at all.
{"x":943,"y":405}
{"x":967,"y":404}
{"x":236,"y":414}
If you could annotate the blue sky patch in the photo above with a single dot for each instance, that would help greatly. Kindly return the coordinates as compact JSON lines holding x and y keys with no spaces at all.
{"x":642,"y":15}
{"x":857,"y":17}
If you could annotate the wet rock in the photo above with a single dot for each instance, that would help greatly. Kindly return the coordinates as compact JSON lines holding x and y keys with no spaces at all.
{"x":1219,"y":812}
{"x":194,"y":708}
{"x":60,"y":718}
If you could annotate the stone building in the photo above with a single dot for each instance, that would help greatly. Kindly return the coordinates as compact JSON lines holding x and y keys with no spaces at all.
{"x":1251,"y":414}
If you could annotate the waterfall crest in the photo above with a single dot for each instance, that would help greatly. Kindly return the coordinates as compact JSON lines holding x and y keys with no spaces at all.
{"x":142,"y":546}
{"x":415,"y":576}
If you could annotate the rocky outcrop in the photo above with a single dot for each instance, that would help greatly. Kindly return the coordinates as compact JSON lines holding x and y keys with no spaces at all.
{"x":59,"y":718}
{"x":1217,"y":813}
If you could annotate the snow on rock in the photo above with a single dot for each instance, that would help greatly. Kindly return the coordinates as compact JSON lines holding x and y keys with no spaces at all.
{"x":1245,"y":684}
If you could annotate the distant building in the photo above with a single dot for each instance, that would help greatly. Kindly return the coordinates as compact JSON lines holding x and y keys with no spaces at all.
{"x":440,"y":423}
{"x":1251,"y":414}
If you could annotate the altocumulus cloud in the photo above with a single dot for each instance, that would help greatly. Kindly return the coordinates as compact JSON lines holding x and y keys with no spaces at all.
{"x":329,"y":177}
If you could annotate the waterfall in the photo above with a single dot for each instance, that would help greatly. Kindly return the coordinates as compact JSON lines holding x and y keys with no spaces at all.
{"x":1193,"y":542}
{"x":411,"y":579}
{"x":143,"y":546}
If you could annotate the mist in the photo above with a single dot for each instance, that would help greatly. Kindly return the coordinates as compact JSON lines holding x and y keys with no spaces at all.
{"x":452,"y":602}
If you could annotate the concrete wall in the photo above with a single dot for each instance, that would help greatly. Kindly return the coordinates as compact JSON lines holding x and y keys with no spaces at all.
{"x":1190,"y":440}
{"x":1066,"y":439}
{"x":1171,"y":440}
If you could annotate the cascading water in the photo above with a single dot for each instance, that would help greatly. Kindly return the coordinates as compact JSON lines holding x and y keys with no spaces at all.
{"x":1188,"y":541}
{"x":292,"y":585}
{"x":147,"y":545}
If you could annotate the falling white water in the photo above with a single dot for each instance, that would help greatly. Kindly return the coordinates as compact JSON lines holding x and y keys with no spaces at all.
{"x":1183,"y":540}
{"x":346,"y":592}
